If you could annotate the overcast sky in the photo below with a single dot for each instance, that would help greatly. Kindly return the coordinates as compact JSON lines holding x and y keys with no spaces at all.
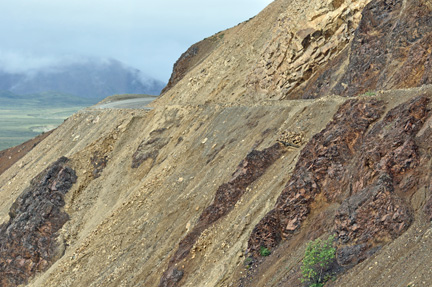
{"x":148,"y":35}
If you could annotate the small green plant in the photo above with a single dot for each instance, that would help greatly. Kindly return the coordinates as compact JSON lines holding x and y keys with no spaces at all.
{"x":370,"y":93}
{"x":318,"y":257}
{"x":264,"y":251}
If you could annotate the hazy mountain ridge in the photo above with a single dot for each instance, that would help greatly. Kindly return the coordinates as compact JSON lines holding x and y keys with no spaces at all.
{"x":88,"y":78}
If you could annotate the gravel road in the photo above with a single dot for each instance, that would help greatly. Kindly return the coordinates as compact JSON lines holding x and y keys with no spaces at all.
{"x":140,"y":103}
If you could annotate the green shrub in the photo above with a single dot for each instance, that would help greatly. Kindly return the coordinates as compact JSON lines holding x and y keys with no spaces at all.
{"x":264,"y":251}
{"x":369,"y":94}
{"x":318,"y":257}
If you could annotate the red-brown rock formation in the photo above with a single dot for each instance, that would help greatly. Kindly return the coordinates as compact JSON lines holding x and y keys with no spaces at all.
{"x":28,"y":240}
{"x":371,"y":169}
{"x":391,"y":48}
{"x":227,"y":195}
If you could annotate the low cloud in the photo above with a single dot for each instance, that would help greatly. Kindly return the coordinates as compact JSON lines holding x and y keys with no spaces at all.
{"x":149,"y":35}
{"x":24,"y":63}
{"x":13,"y":62}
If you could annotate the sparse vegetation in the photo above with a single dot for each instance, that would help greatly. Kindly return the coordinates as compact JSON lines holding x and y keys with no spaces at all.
{"x":264,"y":251}
{"x":369,"y":94}
{"x":216,"y":37}
{"x":318,"y":257}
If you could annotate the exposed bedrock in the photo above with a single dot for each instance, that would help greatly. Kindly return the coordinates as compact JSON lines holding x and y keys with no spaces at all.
{"x":227,"y":195}
{"x":391,"y":48}
{"x":369,"y":166}
{"x":28,"y":241}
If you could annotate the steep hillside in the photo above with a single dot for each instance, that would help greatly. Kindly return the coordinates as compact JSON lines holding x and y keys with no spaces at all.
{"x":270,"y":55}
{"x":313,"y":118}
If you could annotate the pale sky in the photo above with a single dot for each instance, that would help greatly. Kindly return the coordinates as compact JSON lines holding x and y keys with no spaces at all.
{"x":147,"y":35}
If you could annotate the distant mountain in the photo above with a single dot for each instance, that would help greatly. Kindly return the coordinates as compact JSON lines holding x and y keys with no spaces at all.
{"x":89,"y":78}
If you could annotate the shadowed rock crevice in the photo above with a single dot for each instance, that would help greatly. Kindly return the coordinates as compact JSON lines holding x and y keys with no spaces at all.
{"x":28,"y":240}
{"x":227,"y":195}
{"x":99,"y":162}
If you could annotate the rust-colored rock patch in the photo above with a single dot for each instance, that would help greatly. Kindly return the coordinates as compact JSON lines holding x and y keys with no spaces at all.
{"x":385,"y":175}
{"x":318,"y":170}
{"x":391,"y":48}
{"x":227,"y":195}
{"x":371,"y":170}
{"x":28,"y":240}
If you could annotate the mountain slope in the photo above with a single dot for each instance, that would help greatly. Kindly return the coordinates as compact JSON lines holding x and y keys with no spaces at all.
{"x":232,"y":158}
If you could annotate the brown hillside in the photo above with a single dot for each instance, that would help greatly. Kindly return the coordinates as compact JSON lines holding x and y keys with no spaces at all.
{"x":10,"y":156}
{"x":312,"y":118}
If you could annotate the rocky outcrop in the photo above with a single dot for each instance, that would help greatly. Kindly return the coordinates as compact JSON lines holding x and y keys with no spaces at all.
{"x":28,"y":241}
{"x":371,"y":172}
{"x":189,"y":59}
{"x":347,"y":48}
{"x":318,"y":170}
{"x":149,"y":148}
{"x":391,"y":48}
{"x":227,"y":195}
{"x":385,"y":175}
{"x":300,"y":47}
{"x":99,"y":162}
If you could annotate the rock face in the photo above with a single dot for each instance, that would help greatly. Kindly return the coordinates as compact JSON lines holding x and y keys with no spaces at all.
{"x":28,"y":241}
{"x":149,"y":149}
{"x":391,"y":49}
{"x":248,"y":148}
{"x":372,"y":174}
{"x":193,"y":56}
{"x":387,"y":173}
{"x":298,"y":50}
{"x":347,"y":50}
{"x":319,"y":169}
{"x":227,"y":195}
